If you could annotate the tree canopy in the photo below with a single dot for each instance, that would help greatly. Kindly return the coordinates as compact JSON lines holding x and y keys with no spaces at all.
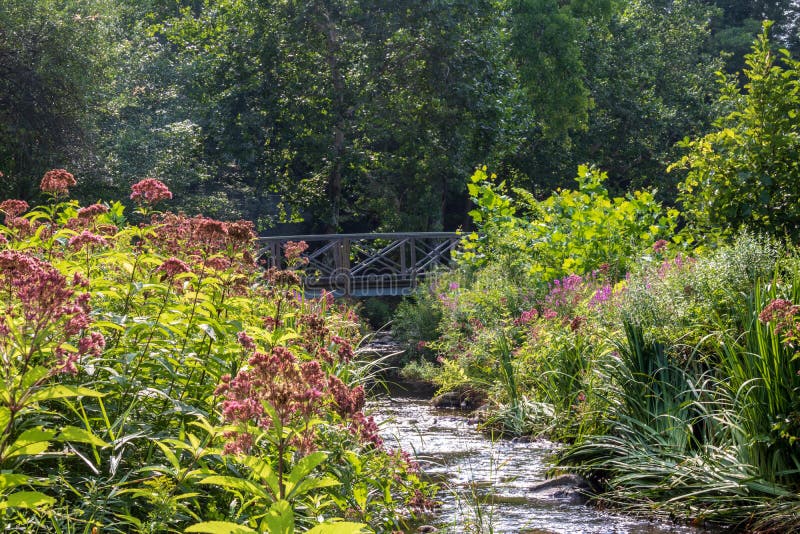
{"x":747,"y":170}
{"x":358,"y":114}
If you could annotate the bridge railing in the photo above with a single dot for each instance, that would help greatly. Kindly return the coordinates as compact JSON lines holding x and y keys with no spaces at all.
{"x":366,"y":264}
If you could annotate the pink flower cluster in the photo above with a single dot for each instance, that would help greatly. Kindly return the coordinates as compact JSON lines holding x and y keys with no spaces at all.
{"x":92,"y":345}
{"x":39,"y":296}
{"x":297,"y":391}
{"x":677,"y":264}
{"x":343,"y":348}
{"x":90,"y":212}
{"x":526,"y":317}
{"x":57,"y":182}
{"x":294,"y":249}
{"x":564,"y":296}
{"x":600,"y":296}
{"x":247,"y":342}
{"x":282,"y":278}
{"x":784,"y":314}
{"x":13,"y":208}
{"x":150,"y":191}
{"x":172,"y":267}
{"x":206,"y":240}
{"x":87,"y":238}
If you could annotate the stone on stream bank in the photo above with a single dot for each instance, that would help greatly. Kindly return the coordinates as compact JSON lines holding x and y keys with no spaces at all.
{"x":463,"y":399}
{"x":569,"y":488}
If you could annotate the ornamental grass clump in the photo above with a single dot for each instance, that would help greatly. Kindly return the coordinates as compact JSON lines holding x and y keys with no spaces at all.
{"x":708,"y":432}
{"x":154,"y":378}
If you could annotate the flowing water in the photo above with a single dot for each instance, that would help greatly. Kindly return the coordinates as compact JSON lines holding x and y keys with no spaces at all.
{"x":487,"y":485}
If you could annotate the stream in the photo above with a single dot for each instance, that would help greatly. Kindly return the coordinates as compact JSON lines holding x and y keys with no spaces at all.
{"x":500,"y":476}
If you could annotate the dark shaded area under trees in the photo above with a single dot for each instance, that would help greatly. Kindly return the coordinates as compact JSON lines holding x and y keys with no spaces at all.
{"x":360,"y":115}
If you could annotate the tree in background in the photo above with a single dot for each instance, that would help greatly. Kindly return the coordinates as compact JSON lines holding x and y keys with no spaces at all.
{"x":357,"y":115}
{"x":546,"y":37}
{"x":738,"y":23}
{"x":650,"y":82}
{"x":52,"y":58}
{"x":747,"y":171}
{"x":360,"y":113}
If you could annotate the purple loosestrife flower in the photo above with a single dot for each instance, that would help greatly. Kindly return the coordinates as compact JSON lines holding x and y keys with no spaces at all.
{"x":600,"y":297}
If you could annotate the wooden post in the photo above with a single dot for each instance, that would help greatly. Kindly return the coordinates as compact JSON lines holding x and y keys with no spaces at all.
{"x":275,"y":253}
{"x":413,"y":278}
{"x":403,"y":263}
{"x":345,"y":265}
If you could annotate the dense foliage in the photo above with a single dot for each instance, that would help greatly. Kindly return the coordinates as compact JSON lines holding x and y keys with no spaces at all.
{"x":675,"y":379}
{"x":358,"y":114}
{"x":154,"y":379}
{"x":746,"y":171}
{"x":670,"y":369}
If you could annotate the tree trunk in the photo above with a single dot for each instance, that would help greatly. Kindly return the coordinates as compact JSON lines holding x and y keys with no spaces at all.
{"x":334,"y":183}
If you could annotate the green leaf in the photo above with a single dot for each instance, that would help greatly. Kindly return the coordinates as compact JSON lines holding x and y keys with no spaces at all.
{"x":280,"y":519}
{"x":31,"y":442}
{"x":220,"y":527}
{"x":33,"y":375}
{"x":79,"y":435}
{"x":60,"y":391}
{"x":246,"y":487}
{"x":310,"y":484}
{"x":305,"y":466}
{"x":337,"y":528}
{"x":263,"y":471}
{"x":12,"y":480}
{"x":5,"y":417}
{"x":31,"y":500}
{"x":171,"y":457}
{"x":360,"y":495}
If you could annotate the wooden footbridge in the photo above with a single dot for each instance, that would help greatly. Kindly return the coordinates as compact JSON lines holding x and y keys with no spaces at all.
{"x":365,"y":265}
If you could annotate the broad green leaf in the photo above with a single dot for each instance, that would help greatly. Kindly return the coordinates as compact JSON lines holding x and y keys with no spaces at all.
{"x":360,"y":495}
{"x":12,"y":480}
{"x":79,"y":435}
{"x":31,"y":442}
{"x":305,"y":466}
{"x":31,"y":500}
{"x":337,"y":528}
{"x":220,"y":527}
{"x":280,"y":519}
{"x":171,"y":457}
{"x":264,"y":471}
{"x":5,"y":417}
{"x":32,"y":376}
{"x":310,"y":484}
{"x":61,"y":391}
{"x":248,"y":488}
{"x":281,"y":339}
{"x":108,"y":325}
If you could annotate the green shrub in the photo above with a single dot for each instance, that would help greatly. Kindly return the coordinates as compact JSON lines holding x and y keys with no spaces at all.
{"x":153,"y":379}
{"x":745,"y":173}
{"x":572,"y":231}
